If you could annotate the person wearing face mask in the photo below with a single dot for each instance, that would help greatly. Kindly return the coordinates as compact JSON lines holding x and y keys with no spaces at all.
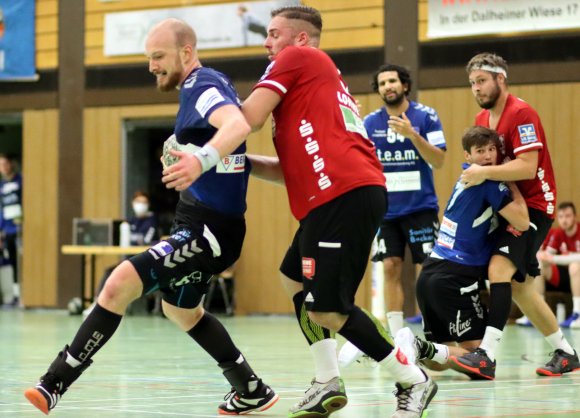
{"x":143,"y":225}
{"x":144,"y":231}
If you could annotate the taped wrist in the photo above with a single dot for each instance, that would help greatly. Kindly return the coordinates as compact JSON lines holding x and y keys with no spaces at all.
{"x":208,"y":156}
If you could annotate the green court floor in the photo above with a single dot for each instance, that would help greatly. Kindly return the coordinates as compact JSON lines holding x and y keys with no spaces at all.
{"x":151,"y":369}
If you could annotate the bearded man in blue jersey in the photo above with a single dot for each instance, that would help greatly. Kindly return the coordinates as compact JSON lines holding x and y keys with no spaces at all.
{"x":207,"y":234}
{"x":409,"y":142}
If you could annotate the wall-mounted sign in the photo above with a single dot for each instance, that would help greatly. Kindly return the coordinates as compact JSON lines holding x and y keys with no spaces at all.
{"x":453,"y":18}
{"x":17,"y":61}
{"x":226,"y":25}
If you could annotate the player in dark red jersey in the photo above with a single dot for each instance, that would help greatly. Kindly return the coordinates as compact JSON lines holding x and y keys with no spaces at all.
{"x":526,"y":161}
{"x":564,"y":240}
{"x":336,"y":190}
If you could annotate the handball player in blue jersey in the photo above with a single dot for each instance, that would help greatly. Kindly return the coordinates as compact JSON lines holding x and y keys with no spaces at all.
{"x":206,"y":237}
{"x":454,"y":319}
{"x":409,"y":143}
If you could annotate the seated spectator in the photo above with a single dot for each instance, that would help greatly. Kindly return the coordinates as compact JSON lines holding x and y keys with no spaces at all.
{"x":562,"y":240}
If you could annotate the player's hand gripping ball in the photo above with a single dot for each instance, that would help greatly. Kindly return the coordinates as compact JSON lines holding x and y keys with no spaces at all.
{"x":170,"y":144}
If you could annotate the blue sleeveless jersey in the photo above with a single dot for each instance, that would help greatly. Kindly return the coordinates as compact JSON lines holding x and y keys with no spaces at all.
{"x":224,"y":187}
{"x":466,"y":232}
{"x":409,"y":177}
{"x":10,"y":204}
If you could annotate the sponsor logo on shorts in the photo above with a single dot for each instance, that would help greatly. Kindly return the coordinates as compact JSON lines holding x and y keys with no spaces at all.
{"x":459,"y":327}
{"x":160,"y":249}
{"x":308,"y":267}
{"x":309,"y":298}
{"x":505,"y":249}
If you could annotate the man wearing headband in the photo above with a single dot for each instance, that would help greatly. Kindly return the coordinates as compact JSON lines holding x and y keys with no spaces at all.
{"x":526,"y":161}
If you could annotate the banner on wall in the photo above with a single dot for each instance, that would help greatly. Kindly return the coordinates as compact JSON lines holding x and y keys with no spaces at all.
{"x":453,"y":18}
{"x":17,"y":61}
{"x":226,"y":25}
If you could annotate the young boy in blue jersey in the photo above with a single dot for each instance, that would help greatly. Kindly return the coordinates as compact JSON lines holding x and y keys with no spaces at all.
{"x":454,"y":319}
{"x":206,"y":238}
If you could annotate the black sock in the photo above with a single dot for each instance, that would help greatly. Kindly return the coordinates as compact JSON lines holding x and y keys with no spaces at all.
{"x":94,"y":332}
{"x":311,"y":330}
{"x":211,"y":335}
{"x":427,"y":349}
{"x":500,"y":303}
{"x":367,"y":334}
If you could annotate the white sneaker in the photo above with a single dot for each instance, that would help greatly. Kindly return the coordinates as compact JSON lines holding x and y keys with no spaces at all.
{"x":575,"y":323}
{"x":413,"y":401}
{"x":321,"y":400}
{"x":348,"y":354}
{"x":405,"y":340}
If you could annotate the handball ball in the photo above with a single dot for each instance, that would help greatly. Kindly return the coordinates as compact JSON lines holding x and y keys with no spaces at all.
{"x":75,"y":306}
{"x":172,"y":144}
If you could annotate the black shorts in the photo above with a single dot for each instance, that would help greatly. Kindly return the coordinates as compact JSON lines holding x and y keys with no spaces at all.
{"x":560,"y":281}
{"x":417,"y":230}
{"x":202,"y":243}
{"x":448,"y":296}
{"x":521,"y":247}
{"x":330,"y":250}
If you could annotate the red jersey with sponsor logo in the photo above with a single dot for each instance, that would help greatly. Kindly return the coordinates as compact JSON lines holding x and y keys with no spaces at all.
{"x":558,"y":241}
{"x":520,"y":130}
{"x":319,"y":136}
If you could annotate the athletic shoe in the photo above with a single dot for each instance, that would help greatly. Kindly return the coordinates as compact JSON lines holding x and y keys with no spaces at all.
{"x":405,"y":340}
{"x":524,"y":322}
{"x":560,"y":363}
{"x":572,"y":318}
{"x":321,"y":400}
{"x":348,"y":354}
{"x":413,"y":401}
{"x":477,"y":363}
{"x":575,"y":323}
{"x":46,"y":394}
{"x":259,"y":400}
{"x":417,"y":319}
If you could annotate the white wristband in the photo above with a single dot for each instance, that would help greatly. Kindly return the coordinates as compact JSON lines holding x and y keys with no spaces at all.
{"x":208,"y":156}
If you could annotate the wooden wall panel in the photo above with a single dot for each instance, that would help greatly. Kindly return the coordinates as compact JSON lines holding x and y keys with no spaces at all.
{"x":46,"y":34}
{"x":40,"y":241}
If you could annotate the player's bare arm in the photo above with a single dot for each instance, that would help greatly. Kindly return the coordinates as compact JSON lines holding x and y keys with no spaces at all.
{"x":522,"y":168}
{"x":430,"y":153}
{"x":232,"y":132}
{"x":266,"y":168}
{"x":258,"y":106}
{"x":516,"y":212}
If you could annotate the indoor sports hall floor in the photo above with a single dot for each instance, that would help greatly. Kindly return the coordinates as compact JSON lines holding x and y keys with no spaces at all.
{"x":150,"y":369}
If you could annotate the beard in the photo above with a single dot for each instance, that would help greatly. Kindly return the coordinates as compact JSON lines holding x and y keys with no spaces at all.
{"x":171,"y":82}
{"x":397,"y":100}
{"x":493,"y":96}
